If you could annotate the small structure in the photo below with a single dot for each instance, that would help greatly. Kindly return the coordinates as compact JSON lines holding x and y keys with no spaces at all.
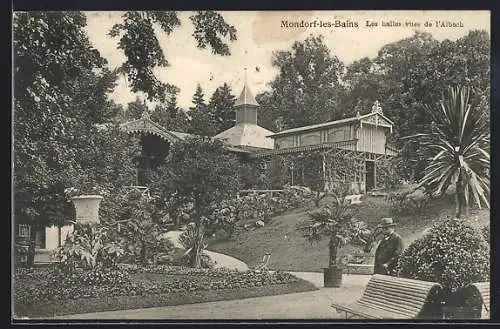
{"x":246,"y":133}
{"x":155,"y":144}
{"x":46,"y":238}
{"x":353,"y":150}
{"x":244,"y":138}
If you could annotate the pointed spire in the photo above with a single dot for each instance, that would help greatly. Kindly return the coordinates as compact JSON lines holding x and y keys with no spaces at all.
{"x":246,"y":97}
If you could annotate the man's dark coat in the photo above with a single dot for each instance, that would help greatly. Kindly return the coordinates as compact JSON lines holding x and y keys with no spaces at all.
{"x":388,"y":252}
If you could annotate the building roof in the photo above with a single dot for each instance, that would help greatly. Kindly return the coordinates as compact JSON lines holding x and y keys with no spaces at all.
{"x":247,"y":135}
{"x":305,"y":148}
{"x":328,"y":124}
{"x":145,"y":125}
{"x":246,"y":97}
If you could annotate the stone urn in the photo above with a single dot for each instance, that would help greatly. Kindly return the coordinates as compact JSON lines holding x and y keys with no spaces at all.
{"x":87,"y":208}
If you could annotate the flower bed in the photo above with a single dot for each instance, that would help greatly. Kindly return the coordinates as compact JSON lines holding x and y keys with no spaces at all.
{"x":37,"y":289}
{"x":259,"y":206}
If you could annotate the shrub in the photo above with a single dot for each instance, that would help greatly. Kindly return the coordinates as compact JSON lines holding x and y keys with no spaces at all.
{"x":453,"y":253}
{"x":258,"y":206}
{"x":406,"y":203}
{"x":137,"y":226}
{"x":87,"y":246}
{"x":188,"y":240}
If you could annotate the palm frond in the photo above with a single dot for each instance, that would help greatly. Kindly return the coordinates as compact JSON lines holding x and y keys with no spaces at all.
{"x":458,"y":146}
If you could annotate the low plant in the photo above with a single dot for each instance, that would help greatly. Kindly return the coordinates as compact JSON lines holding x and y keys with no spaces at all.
{"x":405,"y":203}
{"x":52,"y":285}
{"x":88,"y":246}
{"x":188,"y":239}
{"x":485,"y":231}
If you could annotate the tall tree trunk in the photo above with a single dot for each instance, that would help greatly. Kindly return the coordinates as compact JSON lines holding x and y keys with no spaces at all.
{"x":144,"y":259}
{"x":59,"y":235}
{"x":458,"y":198}
{"x":198,"y":247}
{"x":332,"y":251}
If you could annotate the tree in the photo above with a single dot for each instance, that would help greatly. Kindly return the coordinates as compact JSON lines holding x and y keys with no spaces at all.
{"x":201,"y":122}
{"x":108,"y":162}
{"x":134,"y":110}
{"x":201,"y":172}
{"x":306,"y":89}
{"x":170,"y":116}
{"x":460,"y":147}
{"x":364,"y":82}
{"x":60,"y":86}
{"x":410,"y":73}
{"x":144,"y":54}
{"x":221,"y":106}
{"x":268,"y":112}
{"x":337,"y":222}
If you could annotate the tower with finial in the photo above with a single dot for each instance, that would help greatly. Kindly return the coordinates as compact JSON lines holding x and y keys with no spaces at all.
{"x":376,"y":108}
{"x":246,"y":132}
{"x":246,"y":106}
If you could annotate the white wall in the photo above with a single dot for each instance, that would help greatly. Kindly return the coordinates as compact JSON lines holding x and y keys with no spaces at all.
{"x":51,"y":235}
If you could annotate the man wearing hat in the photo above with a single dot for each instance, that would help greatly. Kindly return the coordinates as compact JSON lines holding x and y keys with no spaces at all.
{"x":389,"y":248}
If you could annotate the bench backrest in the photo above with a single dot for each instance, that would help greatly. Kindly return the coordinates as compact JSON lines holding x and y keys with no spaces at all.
{"x":484,"y":290}
{"x":404,"y":297}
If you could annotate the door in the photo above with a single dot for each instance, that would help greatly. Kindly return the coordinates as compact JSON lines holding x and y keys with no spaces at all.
{"x":370,"y":175}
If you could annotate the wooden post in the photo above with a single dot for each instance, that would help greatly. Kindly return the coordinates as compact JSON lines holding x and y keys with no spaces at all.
{"x":324,"y":171}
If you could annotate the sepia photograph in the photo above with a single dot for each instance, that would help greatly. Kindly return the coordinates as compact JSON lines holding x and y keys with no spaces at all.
{"x":251,"y":165}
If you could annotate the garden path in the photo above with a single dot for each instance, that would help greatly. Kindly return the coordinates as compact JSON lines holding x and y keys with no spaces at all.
{"x":221,"y":260}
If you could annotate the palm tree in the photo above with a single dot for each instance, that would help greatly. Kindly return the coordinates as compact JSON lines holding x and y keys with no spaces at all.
{"x":459,"y":141}
{"x":337,"y":222}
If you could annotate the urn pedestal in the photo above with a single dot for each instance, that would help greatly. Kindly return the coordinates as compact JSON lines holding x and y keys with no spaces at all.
{"x":332,"y":276}
{"x":87,"y":208}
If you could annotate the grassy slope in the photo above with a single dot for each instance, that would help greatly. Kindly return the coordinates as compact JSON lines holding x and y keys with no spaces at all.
{"x":291,"y":252}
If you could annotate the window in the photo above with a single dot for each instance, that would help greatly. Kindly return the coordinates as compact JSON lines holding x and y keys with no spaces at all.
{"x":24,"y":230}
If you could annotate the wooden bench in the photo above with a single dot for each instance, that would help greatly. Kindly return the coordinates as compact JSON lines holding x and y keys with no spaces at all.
{"x":483,"y":290}
{"x":388,"y":297}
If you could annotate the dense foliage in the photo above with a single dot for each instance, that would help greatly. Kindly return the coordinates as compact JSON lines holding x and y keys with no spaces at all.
{"x":453,"y":253}
{"x":137,"y":225}
{"x":88,"y":247}
{"x":60,"y":87}
{"x":306,"y":90}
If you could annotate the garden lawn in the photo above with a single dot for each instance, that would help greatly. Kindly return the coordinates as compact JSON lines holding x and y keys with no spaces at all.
{"x":189,"y":288}
{"x":291,"y":252}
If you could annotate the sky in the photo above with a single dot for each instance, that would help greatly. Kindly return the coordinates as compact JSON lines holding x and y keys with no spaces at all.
{"x":261,"y":33}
